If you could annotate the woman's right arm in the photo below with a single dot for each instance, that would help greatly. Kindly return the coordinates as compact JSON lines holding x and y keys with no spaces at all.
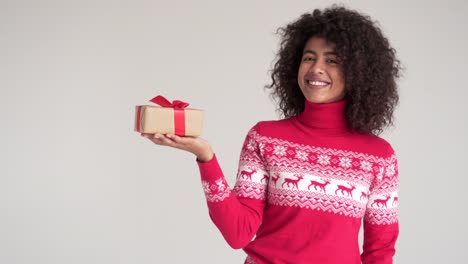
{"x":237,"y":213}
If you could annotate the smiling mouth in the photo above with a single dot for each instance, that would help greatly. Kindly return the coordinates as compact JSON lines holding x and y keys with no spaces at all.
{"x":318,"y":83}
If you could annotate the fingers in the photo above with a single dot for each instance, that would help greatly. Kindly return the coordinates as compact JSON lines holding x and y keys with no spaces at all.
{"x":176,"y":139}
{"x":161,"y":139}
{"x":170,"y":140}
{"x":195,"y":145}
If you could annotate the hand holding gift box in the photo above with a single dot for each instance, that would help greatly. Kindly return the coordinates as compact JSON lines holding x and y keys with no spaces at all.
{"x":173,"y":118}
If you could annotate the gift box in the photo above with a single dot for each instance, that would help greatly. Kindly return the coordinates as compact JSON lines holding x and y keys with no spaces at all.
{"x":168,"y":117}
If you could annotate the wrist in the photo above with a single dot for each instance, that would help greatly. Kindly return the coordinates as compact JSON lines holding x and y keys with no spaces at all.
{"x":205,"y":157}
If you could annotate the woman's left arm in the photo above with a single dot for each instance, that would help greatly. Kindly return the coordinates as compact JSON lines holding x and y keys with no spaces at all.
{"x":381,"y":218}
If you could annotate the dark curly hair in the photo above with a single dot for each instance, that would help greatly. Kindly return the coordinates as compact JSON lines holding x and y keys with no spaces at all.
{"x":369,"y":64}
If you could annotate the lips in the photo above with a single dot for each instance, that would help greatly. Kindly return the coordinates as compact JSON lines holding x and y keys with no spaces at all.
{"x":316,"y":80}
{"x":317,"y":83}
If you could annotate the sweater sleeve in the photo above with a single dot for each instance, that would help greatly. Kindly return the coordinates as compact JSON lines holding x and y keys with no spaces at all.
{"x":237,"y":212}
{"x":381,"y":218}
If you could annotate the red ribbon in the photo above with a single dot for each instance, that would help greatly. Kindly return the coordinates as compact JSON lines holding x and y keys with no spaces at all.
{"x":179,"y":112}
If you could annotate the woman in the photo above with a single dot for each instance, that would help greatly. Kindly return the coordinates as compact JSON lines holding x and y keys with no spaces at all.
{"x":306,"y":182}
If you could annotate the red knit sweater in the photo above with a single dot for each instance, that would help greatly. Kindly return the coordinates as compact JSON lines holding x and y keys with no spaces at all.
{"x":303,"y":187}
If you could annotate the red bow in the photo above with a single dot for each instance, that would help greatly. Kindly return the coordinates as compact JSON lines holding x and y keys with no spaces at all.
{"x":179,"y":112}
{"x":162,"y":101}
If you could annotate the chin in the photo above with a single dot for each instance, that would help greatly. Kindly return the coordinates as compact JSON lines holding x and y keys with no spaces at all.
{"x":318,"y":100}
{"x":323,"y":100}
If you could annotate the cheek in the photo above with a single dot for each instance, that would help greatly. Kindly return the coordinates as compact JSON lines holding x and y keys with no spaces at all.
{"x":338,"y":77}
{"x":341,"y":74}
{"x":300,"y":75}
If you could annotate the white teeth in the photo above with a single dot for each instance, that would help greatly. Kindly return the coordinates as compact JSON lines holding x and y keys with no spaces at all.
{"x":317,"y":83}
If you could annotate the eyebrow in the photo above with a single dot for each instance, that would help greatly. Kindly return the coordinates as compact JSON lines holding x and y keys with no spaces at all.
{"x":315,"y":53}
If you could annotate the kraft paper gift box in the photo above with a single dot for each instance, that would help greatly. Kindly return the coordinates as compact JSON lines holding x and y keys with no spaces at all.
{"x":169,"y":117}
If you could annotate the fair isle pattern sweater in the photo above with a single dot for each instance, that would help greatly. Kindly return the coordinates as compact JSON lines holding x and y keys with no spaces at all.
{"x":303,"y":187}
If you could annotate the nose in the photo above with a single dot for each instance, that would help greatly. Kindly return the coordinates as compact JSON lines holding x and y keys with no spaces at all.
{"x":316,"y":67}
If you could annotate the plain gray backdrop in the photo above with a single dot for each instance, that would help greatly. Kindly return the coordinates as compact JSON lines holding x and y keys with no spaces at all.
{"x":78,"y":185}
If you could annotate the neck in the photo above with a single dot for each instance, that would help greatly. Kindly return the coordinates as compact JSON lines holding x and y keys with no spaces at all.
{"x":328,"y":116}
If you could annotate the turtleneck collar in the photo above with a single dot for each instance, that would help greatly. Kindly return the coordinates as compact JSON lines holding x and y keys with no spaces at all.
{"x":329,"y":116}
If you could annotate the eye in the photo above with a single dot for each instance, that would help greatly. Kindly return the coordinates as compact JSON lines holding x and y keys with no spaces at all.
{"x":333,"y":61}
{"x":308,"y":59}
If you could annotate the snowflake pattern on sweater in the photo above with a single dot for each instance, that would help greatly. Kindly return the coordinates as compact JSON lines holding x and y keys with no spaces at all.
{"x":217,"y":191}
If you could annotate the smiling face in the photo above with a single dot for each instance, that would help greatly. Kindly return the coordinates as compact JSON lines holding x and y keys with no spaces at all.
{"x":321,"y":76}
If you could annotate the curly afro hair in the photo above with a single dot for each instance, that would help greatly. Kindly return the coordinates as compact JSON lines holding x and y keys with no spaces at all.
{"x":369,"y":64}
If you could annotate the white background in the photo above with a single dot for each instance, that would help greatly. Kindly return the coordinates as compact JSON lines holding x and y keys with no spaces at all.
{"x":78,"y":185}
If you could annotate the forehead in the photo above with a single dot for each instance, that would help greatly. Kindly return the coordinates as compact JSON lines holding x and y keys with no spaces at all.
{"x":319,"y":45}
